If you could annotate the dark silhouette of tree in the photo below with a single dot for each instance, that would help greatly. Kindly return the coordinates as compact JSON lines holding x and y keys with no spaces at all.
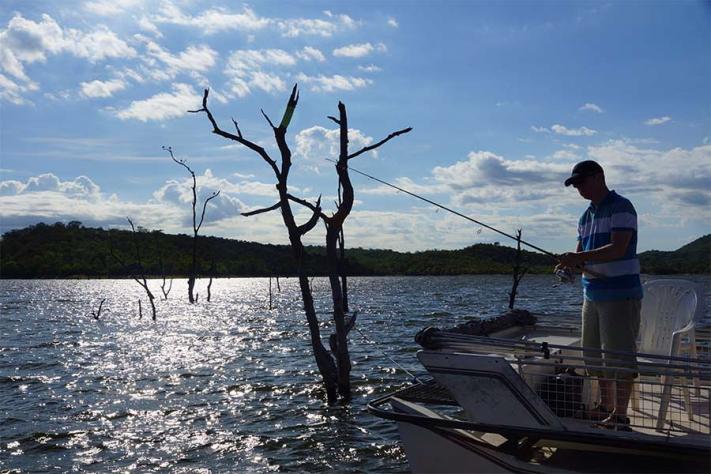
{"x":136,"y":270}
{"x":334,"y":367}
{"x":97,"y":314}
{"x":518,"y":270}
{"x":212,"y":274}
{"x":335,"y":242}
{"x":166,"y":291}
{"x":196,"y":225}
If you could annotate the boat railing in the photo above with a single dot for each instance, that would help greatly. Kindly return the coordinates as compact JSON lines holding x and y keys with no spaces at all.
{"x":669,"y":393}
{"x":522,"y":349}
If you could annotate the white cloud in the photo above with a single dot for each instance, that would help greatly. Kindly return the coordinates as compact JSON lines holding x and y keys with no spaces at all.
{"x":565,"y":155}
{"x":195,"y":58}
{"x":110,"y":7}
{"x":573,"y":132}
{"x":11,"y":187}
{"x":292,"y":28}
{"x":268,"y":82}
{"x":245,"y":69}
{"x":25,"y":41}
{"x":358,"y":50}
{"x":102,"y":88}
{"x":676,"y":169}
{"x":12,"y":91}
{"x":309,"y":53}
{"x":393,"y":22}
{"x":80,"y":186}
{"x":657,"y":120}
{"x":540,"y":129}
{"x":370,"y":68}
{"x":163,"y":106}
{"x":213,"y":20}
{"x":97,"y":45}
{"x":486,"y":168}
{"x":244,"y":61}
{"x":315,"y":144}
{"x":47,"y":198}
{"x":336,"y":82}
{"x":591,"y":107}
{"x":147,"y":25}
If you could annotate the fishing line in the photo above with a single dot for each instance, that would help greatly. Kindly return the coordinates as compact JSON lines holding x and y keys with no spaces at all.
{"x":551,"y":254}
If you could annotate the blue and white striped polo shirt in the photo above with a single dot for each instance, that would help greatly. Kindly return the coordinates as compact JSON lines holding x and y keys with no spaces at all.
{"x":595,"y":227}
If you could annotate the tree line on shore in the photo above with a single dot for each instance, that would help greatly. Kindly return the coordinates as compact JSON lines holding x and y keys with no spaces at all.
{"x":74,"y":251}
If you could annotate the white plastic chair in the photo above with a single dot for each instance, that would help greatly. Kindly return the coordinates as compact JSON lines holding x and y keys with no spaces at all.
{"x":670,"y":312}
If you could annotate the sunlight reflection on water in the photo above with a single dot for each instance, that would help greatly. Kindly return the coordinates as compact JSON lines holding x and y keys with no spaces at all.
{"x":226,"y":385}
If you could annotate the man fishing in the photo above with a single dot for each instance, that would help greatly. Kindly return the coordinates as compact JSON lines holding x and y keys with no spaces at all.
{"x":607,"y":252}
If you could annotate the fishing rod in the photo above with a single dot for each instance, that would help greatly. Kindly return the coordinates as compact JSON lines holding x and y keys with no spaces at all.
{"x":551,"y":254}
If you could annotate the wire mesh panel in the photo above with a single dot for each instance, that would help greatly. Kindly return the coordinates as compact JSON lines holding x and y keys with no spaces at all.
{"x":681,"y":402}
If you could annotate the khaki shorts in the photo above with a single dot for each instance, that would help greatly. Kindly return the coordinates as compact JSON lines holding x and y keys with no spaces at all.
{"x":613,"y":326}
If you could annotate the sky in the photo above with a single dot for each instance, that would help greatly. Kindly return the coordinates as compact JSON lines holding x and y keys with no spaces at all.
{"x":503,"y":97}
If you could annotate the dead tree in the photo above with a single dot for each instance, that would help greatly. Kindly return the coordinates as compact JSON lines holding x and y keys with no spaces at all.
{"x":334,"y":367}
{"x":518,"y":270}
{"x":136,"y":271}
{"x":196,"y":224}
{"x":97,"y":314}
{"x":162,"y":271}
{"x":270,"y":293}
{"x":324,"y":361}
{"x":334,"y":240}
{"x":209,"y":284}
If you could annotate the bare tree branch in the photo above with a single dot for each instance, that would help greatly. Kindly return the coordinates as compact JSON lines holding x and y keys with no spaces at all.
{"x":316,"y":208}
{"x":180,"y":162}
{"x":238,"y":138}
{"x":204,"y":206}
{"x":381,"y":142}
{"x":268,"y":119}
{"x":304,"y":228}
{"x":239,"y":132}
{"x":260,"y":211}
{"x":97,"y":314}
{"x":334,"y":119}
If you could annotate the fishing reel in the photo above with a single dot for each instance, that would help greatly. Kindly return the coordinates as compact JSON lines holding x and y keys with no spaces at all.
{"x":565,"y":275}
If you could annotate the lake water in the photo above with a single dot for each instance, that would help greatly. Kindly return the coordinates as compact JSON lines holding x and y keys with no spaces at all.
{"x":221,"y":386}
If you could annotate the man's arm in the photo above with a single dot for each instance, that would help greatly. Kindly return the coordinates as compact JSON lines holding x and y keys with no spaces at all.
{"x":619,"y":240}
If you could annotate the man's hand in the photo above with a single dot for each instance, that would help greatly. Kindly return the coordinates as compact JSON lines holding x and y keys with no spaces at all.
{"x":570,"y":259}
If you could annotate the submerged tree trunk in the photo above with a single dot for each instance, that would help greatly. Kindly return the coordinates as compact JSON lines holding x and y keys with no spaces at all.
{"x":518,"y":271}
{"x":162,"y":272}
{"x":193,"y":271}
{"x":343,"y":361}
{"x":270,"y":293}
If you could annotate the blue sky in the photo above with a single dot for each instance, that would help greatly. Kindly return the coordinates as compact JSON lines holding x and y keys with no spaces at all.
{"x":503,"y":97}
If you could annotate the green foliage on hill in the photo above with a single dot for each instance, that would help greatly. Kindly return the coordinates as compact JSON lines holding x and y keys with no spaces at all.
{"x":71,"y":250}
{"x":694,"y":257}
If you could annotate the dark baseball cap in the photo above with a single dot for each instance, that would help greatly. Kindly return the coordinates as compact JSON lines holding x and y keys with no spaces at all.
{"x":582,"y":170}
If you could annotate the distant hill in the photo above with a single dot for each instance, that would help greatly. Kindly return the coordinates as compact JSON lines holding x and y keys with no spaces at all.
{"x":72,"y":250}
{"x":694,"y":257}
